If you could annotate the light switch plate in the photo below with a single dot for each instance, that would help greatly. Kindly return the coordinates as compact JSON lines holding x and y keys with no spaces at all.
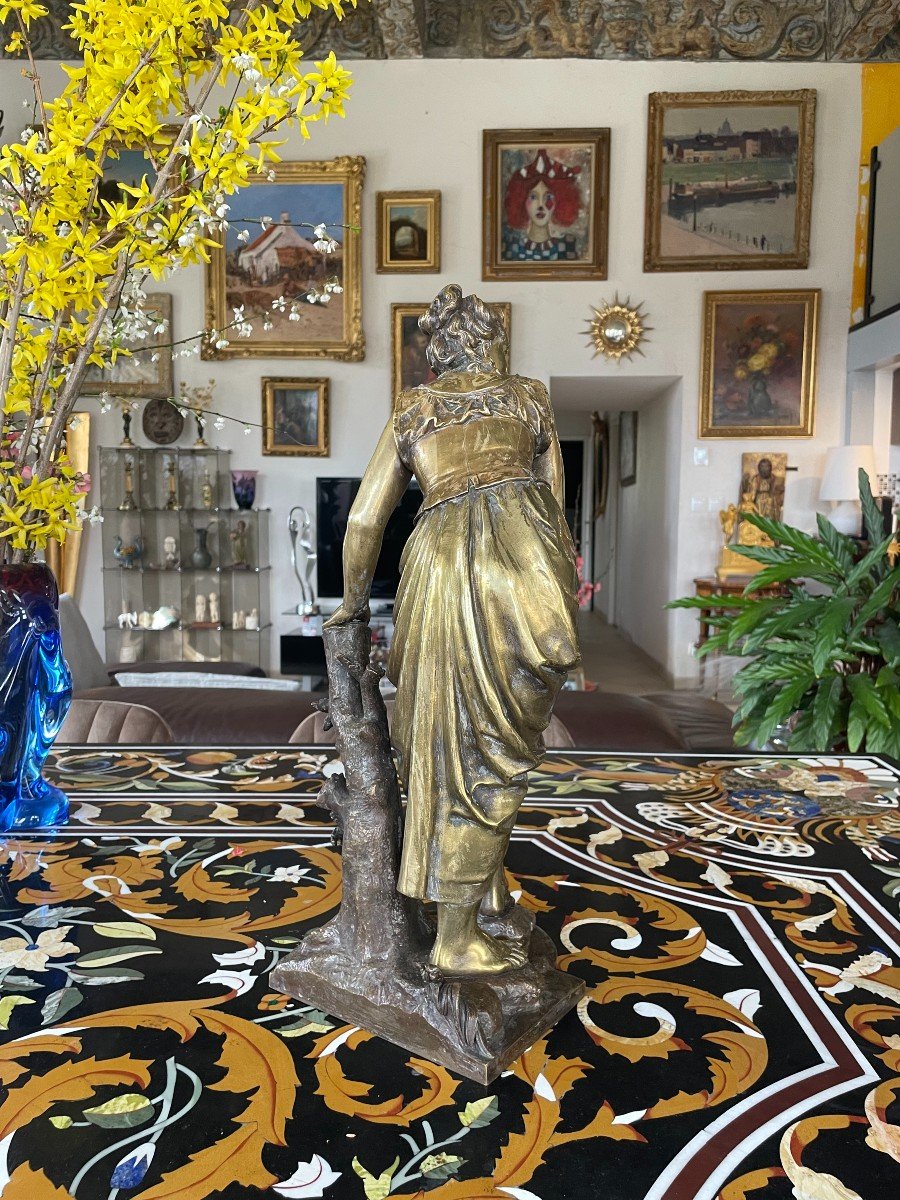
{"x":701,"y":456}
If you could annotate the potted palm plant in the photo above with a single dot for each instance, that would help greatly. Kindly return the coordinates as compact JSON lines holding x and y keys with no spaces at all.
{"x":204,"y":91}
{"x":823,"y":660}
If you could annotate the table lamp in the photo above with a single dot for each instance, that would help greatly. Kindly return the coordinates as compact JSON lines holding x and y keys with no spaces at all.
{"x":840,"y":482}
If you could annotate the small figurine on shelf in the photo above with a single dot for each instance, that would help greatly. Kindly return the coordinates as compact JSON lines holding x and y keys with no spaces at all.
{"x":171,"y":469}
{"x":200,"y":609}
{"x":125,"y":406}
{"x":171,"y":561}
{"x":201,"y":558}
{"x":239,"y":620}
{"x":145,"y":620}
{"x":252,"y":621}
{"x":239,"y":548}
{"x":243,"y":484}
{"x":206,"y":492}
{"x":163,"y":618}
{"x":198,"y":400}
{"x":127,"y":620}
{"x":128,"y":504}
{"x":214,"y":607}
{"x":127,"y":554}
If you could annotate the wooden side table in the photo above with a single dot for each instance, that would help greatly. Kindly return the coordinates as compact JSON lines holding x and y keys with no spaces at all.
{"x":709,"y":585}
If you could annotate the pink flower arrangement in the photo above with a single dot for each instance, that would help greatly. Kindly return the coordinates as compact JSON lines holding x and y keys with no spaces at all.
{"x":585,"y":589}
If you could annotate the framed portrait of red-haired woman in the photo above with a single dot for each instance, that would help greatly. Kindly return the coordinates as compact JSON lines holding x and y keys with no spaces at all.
{"x":546,"y":203}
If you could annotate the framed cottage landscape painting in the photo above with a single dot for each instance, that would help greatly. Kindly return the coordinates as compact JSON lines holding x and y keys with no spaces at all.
{"x":759,"y":364}
{"x":729,"y":180}
{"x":300,"y":301}
{"x":546,"y":203}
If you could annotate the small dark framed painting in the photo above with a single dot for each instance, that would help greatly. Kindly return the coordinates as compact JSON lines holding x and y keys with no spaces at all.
{"x":546,"y":203}
{"x":627,"y":448}
{"x":295,"y":417}
{"x":409,"y":364}
{"x":409,"y":232}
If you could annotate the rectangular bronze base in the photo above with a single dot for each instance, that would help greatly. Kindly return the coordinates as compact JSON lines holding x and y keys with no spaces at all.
{"x":405,"y":1013}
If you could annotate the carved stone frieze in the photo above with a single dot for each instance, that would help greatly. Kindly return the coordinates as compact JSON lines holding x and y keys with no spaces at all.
{"x":740,"y":30}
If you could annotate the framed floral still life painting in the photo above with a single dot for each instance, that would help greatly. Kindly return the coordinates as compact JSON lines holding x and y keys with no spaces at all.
{"x":546,"y":203}
{"x":295,"y":417}
{"x":408,"y":232}
{"x":287,"y":281}
{"x":409,"y":365}
{"x":147,"y":369}
{"x":729,"y":180}
{"x":759,"y":364}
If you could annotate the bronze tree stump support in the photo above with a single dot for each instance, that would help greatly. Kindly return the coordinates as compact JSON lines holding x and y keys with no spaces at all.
{"x":369,"y":964}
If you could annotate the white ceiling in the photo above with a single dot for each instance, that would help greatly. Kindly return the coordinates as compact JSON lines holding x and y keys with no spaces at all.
{"x":606,"y":393}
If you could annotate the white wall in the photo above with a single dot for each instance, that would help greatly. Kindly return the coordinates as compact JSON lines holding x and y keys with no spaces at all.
{"x":647,"y":532}
{"x":419,"y":124}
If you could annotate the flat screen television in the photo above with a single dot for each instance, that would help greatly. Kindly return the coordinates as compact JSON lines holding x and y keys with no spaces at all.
{"x":334,"y":498}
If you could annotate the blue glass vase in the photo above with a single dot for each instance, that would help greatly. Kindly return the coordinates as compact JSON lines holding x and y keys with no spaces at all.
{"x":35,"y":693}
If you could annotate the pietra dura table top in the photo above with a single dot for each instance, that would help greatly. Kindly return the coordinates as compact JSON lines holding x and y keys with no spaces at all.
{"x":735,"y":920}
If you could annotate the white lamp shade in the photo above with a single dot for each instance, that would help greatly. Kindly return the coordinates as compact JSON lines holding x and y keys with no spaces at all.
{"x":840,"y":479}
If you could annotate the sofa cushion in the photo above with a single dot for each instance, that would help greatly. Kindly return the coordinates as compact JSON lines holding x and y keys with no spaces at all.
{"x":209,"y":668}
{"x":703,"y":724}
{"x":83,"y":657}
{"x":203,"y":679}
{"x":90,"y":722}
{"x":615,"y":722}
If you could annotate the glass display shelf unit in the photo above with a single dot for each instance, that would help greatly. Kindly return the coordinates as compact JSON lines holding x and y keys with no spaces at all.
{"x":172,"y":542}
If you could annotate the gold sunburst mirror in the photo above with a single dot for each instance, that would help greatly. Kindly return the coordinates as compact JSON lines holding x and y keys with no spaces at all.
{"x":617,"y":329}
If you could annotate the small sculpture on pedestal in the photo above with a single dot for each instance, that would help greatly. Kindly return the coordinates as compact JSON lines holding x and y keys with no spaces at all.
{"x":207,"y":498}
{"x":171,"y":561}
{"x":484,"y":637}
{"x":239,"y":620}
{"x":128,"y":504}
{"x":299,"y":532}
{"x":171,"y":470}
{"x":239,"y":546}
{"x":200,"y":609}
{"x":252,"y":620}
{"x":214,"y":607}
{"x":128,"y":554}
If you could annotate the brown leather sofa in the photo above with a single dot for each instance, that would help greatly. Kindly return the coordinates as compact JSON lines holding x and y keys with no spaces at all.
{"x":239,"y":716}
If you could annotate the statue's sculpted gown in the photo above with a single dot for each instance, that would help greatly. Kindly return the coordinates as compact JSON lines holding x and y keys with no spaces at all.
{"x":484,"y":627}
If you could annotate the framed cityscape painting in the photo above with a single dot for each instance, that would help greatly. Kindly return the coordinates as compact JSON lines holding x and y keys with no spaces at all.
{"x":147,"y":370}
{"x":759,"y":364}
{"x":546,"y":203}
{"x":302,"y":300}
{"x":408,"y":232}
{"x":295,"y":417}
{"x":729,"y":180}
{"x":409,"y":365}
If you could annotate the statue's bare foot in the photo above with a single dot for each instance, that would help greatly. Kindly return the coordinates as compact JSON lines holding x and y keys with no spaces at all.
{"x":478,"y":954}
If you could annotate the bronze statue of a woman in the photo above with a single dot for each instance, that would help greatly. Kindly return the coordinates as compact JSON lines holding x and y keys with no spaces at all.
{"x":484,"y":619}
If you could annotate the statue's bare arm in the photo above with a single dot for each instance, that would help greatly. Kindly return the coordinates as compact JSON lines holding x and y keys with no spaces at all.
{"x":385,"y":481}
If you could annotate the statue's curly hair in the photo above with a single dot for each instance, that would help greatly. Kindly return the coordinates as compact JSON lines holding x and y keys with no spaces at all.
{"x":461,"y":330}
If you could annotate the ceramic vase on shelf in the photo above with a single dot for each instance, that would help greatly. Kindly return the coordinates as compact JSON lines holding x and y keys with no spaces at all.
{"x":35,"y":693}
{"x":243,"y":484}
{"x":201,"y":557}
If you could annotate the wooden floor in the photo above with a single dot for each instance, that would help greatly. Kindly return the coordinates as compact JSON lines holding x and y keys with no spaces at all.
{"x":614,"y":662}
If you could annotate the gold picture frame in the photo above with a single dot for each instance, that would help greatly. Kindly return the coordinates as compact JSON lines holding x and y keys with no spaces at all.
{"x":576,"y":219}
{"x":295,"y":433}
{"x":408,"y":232}
{"x":253,"y":272}
{"x":738,"y":196}
{"x":137,"y":374}
{"x":759,"y":363}
{"x":600,"y":447}
{"x":409,"y":366}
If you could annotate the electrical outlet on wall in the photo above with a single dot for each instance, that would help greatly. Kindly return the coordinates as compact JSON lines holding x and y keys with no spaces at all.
{"x":698,"y":504}
{"x":701,"y":456}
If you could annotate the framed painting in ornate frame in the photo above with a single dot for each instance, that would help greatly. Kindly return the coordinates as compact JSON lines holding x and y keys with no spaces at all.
{"x":270,"y":268}
{"x":545,"y":203}
{"x":759,"y":363}
{"x":408,"y":232}
{"x":729,"y":180}
{"x":409,"y":366}
{"x":628,"y":425}
{"x":295,"y":417}
{"x":148,"y":371}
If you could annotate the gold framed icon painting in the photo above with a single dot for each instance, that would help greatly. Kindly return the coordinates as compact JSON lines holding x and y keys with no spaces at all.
{"x":147,"y":370}
{"x":546,"y":203}
{"x":408,"y":232}
{"x":409,"y":364}
{"x":729,"y":180}
{"x":759,"y":363}
{"x":291,"y":265}
{"x":295,"y":417}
